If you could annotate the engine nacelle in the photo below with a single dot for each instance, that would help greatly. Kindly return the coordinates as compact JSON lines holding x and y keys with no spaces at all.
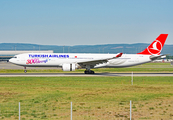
{"x":68,"y":67}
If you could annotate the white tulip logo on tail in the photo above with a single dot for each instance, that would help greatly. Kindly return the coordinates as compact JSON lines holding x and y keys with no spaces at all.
{"x":155,"y":47}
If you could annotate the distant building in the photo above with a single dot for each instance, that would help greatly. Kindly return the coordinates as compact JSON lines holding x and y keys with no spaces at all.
{"x":163,"y":60}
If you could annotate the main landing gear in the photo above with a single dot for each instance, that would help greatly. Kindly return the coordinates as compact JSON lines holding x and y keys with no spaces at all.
{"x":25,"y":69}
{"x":88,"y":71}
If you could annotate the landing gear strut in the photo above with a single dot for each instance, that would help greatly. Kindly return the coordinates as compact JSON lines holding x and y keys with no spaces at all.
{"x":88,"y":71}
{"x":25,"y":69}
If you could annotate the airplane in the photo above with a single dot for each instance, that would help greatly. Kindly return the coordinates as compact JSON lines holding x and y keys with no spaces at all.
{"x":72,"y":61}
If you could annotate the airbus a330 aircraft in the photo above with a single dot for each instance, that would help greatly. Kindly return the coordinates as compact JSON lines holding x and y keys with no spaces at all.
{"x":72,"y":61}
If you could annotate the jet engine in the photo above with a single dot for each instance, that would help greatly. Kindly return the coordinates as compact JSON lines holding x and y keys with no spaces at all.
{"x":69,"y":67}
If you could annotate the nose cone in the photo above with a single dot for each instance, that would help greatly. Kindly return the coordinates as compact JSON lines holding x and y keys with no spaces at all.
{"x":11,"y":60}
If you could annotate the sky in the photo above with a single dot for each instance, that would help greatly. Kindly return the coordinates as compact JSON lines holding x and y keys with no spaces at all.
{"x":85,"y":22}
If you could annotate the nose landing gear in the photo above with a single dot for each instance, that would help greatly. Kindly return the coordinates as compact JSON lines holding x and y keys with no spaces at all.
{"x":25,"y":71}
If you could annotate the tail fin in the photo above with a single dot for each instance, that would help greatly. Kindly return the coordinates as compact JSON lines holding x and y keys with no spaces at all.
{"x":156,"y":46}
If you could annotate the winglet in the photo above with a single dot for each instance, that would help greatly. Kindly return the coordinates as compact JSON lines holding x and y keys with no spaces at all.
{"x":155,"y":47}
{"x":119,"y":55}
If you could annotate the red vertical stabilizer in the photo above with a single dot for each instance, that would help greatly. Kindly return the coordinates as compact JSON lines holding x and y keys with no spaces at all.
{"x":156,"y":46}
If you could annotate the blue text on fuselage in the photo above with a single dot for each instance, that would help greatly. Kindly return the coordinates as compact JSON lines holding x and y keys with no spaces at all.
{"x":47,"y":56}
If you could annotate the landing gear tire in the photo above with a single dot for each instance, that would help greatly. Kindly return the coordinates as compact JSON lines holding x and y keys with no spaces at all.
{"x":89,"y":72}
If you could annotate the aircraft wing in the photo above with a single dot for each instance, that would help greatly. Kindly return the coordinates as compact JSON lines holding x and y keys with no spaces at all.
{"x":92,"y":63}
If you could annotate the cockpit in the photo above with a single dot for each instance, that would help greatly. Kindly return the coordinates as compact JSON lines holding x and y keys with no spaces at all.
{"x":14,"y":56}
{"x":14,"y":59}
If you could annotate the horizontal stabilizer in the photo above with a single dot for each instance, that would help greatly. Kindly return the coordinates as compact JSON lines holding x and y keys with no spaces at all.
{"x":155,"y":57}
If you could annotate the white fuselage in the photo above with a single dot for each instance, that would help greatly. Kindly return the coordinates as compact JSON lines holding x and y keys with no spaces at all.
{"x":58,"y":59}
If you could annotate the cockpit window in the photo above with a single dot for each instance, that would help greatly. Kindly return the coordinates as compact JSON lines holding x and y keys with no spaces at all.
{"x":15,"y":57}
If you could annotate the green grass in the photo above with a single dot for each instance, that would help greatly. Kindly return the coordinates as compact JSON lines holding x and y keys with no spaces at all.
{"x":50,"y":97}
{"x":65,"y":89}
{"x":93,"y":97}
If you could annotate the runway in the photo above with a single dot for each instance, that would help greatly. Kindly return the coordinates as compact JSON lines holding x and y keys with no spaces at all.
{"x":7,"y":65}
{"x":80,"y":74}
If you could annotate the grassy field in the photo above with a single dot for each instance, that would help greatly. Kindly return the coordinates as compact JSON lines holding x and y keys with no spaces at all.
{"x":148,"y":67}
{"x":93,"y":97}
